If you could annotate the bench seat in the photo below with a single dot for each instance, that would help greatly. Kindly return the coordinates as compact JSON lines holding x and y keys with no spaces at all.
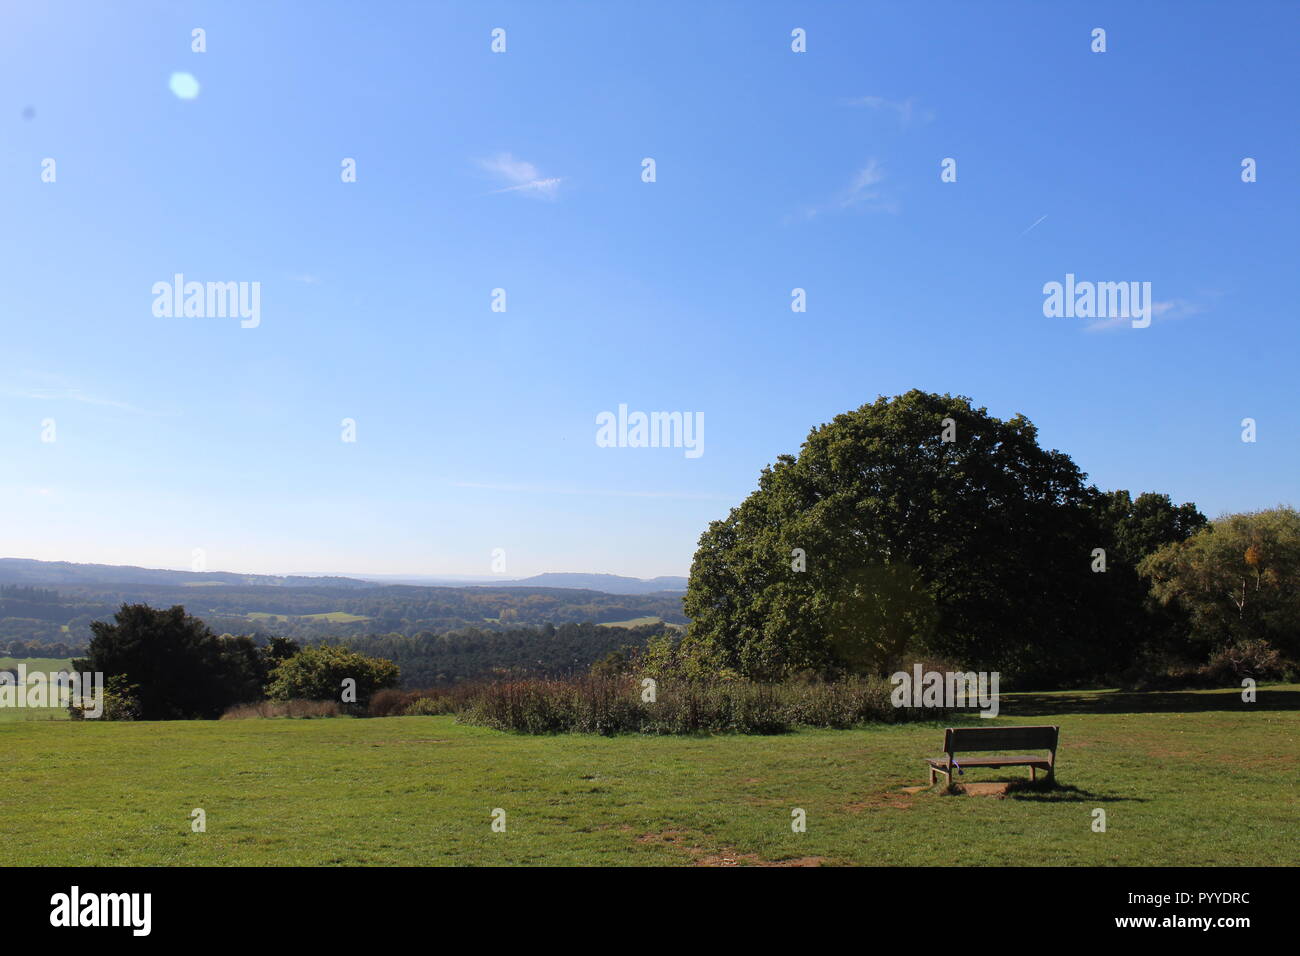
{"x":942,"y":762}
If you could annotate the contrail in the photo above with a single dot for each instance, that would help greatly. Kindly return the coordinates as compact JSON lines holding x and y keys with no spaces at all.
{"x":1040,"y":219}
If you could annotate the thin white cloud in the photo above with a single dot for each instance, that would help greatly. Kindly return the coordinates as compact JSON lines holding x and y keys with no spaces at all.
{"x":72,"y":395}
{"x":906,"y":110}
{"x":1160,"y":312}
{"x":544,"y":187}
{"x":861,"y":192}
{"x":861,"y":189}
{"x":521,"y":176}
{"x":304,"y":278}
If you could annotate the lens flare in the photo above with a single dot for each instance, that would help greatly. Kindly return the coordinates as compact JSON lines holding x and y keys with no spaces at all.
{"x":184,"y":85}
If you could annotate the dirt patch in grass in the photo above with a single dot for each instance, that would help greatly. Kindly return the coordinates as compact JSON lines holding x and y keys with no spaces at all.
{"x":894,"y":800}
{"x":732,"y":858}
{"x":984,"y":789}
{"x":668,"y":837}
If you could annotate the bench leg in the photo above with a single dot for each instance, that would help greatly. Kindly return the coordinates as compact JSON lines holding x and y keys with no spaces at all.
{"x":1033,"y":774}
{"x":932,"y":776}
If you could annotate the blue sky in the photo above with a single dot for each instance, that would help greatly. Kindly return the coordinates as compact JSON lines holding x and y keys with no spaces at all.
{"x":775,"y":170}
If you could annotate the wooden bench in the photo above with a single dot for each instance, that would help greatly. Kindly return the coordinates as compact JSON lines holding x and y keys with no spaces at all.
{"x":960,"y":740}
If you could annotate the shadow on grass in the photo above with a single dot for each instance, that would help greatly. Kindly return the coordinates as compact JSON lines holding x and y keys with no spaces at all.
{"x":1047,"y":791}
{"x":1149,"y":702}
{"x":1043,"y":791}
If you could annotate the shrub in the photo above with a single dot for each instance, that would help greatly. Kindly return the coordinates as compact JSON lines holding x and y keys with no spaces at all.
{"x":616,"y":705}
{"x":1250,"y":658}
{"x":431,"y":707}
{"x":284,"y":708}
{"x":389,"y":702}
{"x":1161,"y":671}
{"x":1254,"y":658}
{"x":319,"y":673}
{"x":422,"y":703}
{"x":121,"y":702}
{"x":583,"y":705}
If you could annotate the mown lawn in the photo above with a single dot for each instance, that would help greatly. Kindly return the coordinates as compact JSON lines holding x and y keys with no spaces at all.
{"x":13,"y":714}
{"x":1184,"y":778}
{"x":44,"y":665}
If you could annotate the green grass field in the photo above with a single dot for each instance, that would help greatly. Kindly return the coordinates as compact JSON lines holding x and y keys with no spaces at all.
{"x":633,"y":622}
{"x":45,"y":665}
{"x":10,"y":715}
{"x":1189,"y":778}
{"x":334,"y":617}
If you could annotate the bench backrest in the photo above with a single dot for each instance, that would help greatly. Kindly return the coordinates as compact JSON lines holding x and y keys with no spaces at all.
{"x":968,"y":739}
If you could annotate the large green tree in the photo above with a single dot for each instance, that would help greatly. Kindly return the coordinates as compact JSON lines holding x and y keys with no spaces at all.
{"x":1238,"y":579}
{"x":1143,"y":525}
{"x":915,"y":524}
{"x":1131,"y":529}
{"x":179,"y":667}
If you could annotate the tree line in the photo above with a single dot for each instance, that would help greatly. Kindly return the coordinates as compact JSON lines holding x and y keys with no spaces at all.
{"x":473,"y":654}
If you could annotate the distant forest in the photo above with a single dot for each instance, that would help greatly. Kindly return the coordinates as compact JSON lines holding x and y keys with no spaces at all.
{"x":55,"y":622}
{"x":437,"y":660}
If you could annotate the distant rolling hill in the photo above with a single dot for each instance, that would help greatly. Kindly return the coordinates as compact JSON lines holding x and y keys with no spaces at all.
{"x":54,"y":602}
{"x":608,"y":583}
{"x":55,"y":573}
{"x":24,"y":571}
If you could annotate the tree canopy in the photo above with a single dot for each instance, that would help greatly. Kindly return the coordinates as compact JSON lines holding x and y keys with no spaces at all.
{"x":179,"y":668}
{"x":921,"y":524}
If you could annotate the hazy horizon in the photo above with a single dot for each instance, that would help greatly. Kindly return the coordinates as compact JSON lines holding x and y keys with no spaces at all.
{"x":359,"y":575}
